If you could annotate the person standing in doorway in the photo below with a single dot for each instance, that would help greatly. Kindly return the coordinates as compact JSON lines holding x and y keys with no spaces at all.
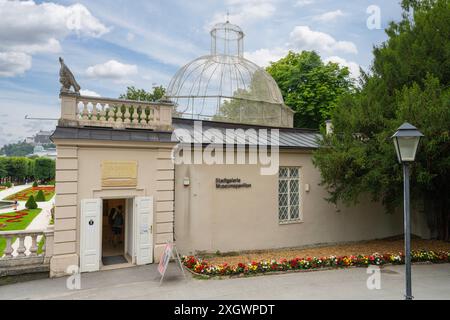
{"x":117,"y":225}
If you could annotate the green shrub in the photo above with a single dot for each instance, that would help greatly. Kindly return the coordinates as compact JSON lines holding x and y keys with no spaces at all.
{"x":40,"y":197}
{"x":8,"y":184}
{"x":35,"y":184}
{"x":31,"y":203}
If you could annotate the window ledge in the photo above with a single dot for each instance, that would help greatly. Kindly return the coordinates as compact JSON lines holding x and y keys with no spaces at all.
{"x":290,"y":222}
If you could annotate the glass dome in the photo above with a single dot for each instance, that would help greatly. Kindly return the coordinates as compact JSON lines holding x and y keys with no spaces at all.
{"x":224,"y":86}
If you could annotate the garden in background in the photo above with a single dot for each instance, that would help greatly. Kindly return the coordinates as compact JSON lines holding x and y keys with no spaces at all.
{"x":17,"y":220}
{"x":47,"y":194}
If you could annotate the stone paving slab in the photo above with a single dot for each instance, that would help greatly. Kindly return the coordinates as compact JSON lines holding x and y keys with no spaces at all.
{"x":429,"y":282}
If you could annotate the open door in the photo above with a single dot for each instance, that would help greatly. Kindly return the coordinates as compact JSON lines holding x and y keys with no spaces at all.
{"x":144,"y":230}
{"x":90,"y":240}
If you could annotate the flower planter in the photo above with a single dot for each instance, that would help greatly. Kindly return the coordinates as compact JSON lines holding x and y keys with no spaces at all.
{"x":204,"y":269}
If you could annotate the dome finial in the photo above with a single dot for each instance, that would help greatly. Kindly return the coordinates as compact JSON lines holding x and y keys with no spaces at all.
{"x":228,"y":16}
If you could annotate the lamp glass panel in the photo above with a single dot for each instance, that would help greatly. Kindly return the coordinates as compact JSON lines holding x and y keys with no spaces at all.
{"x":408,"y":147}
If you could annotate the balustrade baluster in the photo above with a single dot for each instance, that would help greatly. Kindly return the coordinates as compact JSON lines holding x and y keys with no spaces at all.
{"x":8,"y":249}
{"x":119,"y":114}
{"x":127,"y":115}
{"x":135,"y":115}
{"x":21,"y":249}
{"x":150,"y":114}
{"x":94,"y":112}
{"x":85,"y":112}
{"x":34,"y":246}
{"x":111,"y":114}
{"x":103,"y":113}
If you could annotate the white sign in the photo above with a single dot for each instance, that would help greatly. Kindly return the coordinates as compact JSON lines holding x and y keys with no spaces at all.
{"x":165,"y":258}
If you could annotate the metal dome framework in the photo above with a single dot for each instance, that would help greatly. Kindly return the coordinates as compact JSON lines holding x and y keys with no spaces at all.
{"x":224,"y":86}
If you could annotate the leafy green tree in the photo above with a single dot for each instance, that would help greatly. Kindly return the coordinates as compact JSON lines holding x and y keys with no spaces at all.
{"x":20,"y":149}
{"x":310,"y":87}
{"x":143,"y":95}
{"x":44,"y":169}
{"x":31,"y":203}
{"x":3,"y":168}
{"x":18,"y":168}
{"x":409,"y":81}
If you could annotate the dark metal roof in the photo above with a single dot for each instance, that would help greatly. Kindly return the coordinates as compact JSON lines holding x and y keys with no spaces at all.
{"x":288,"y":137}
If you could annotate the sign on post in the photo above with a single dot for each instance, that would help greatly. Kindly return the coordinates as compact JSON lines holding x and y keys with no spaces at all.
{"x":168,"y":253}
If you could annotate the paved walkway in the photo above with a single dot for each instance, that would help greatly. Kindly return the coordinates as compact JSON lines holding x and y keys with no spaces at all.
{"x":429,"y":282}
{"x":6,"y":193}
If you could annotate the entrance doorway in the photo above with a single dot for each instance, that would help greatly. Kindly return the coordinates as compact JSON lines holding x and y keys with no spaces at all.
{"x":116,"y":241}
{"x":114,"y":232}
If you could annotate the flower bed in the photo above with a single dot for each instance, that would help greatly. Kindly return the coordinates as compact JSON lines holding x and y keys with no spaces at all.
{"x":49,"y":192}
{"x":202,"y":267}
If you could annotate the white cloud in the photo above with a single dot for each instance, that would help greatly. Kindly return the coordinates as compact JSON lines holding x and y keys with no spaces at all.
{"x":112,"y":69}
{"x":303,"y":38}
{"x":329,"y":16}
{"x":89,"y":93}
{"x":303,"y":3}
{"x":29,"y":28}
{"x":14,"y":63}
{"x":353,"y":67}
{"x":263,"y":57}
{"x":243,"y":12}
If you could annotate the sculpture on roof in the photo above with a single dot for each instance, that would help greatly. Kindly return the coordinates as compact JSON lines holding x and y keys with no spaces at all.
{"x":67,"y":79}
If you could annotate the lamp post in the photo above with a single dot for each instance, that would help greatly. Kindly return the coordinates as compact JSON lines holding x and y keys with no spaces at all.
{"x":406,"y":140}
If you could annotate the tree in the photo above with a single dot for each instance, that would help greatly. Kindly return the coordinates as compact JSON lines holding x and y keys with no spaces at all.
{"x":40,"y":197}
{"x":3,"y":169}
{"x":142,"y":95}
{"x":409,"y":81}
{"x":18,"y":168}
{"x":44,"y":169}
{"x":20,"y":149}
{"x":310,"y":87}
{"x":31,"y":203}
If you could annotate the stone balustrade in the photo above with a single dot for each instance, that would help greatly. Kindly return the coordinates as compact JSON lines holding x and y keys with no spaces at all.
{"x":22,"y":248}
{"x":77,"y":110}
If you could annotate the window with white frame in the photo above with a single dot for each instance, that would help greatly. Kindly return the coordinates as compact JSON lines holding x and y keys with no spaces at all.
{"x":289,"y":194}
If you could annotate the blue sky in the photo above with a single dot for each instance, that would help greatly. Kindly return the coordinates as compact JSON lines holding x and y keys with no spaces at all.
{"x":110,"y":45}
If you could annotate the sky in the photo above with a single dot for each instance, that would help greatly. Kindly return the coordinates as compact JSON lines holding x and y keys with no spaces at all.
{"x":112,"y":44}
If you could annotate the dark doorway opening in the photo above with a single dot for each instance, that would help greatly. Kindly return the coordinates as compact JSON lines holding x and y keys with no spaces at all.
{"x":113,"y":232}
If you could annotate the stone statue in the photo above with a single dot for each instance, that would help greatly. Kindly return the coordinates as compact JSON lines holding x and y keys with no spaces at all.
{"x":67,"y":79}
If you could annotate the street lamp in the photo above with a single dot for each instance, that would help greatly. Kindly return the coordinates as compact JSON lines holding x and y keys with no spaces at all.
{"x":406,"y":140}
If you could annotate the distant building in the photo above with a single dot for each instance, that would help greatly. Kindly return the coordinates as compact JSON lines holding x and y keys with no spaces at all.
{"x":42,"y":137}
{"x":44,"y":153}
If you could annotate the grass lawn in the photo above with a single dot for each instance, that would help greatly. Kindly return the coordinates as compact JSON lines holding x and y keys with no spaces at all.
{"x":49,"y":192}
{"x":17,"y":220}
{"x":363,"y":248}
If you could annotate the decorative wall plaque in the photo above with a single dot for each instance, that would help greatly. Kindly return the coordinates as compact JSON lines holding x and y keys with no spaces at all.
{"x":119,"y":173}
